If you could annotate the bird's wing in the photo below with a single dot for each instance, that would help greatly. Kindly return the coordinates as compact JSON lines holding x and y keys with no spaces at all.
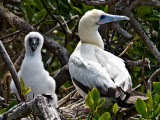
{"x":87,"y":75}
{"x":115,"y":68}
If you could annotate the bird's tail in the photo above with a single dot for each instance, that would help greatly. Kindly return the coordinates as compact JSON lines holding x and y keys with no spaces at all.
{"x":131,"y":98}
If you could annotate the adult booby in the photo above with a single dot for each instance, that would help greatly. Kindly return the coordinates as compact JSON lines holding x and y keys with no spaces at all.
{"x":90,"y":66}
{"x":32,"y":69}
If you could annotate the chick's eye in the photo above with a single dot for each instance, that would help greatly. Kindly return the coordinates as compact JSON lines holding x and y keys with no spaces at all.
{"x":102,"y":17}
{"x":30,"y":39}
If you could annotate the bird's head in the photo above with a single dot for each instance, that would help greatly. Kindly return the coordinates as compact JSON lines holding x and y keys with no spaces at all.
{"x":89,"y":23}
{"x":34,"y":42}
{"x":98,"y":17}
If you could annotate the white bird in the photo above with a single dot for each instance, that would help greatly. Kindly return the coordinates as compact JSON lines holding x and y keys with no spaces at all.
{"x":90,"y":66}
{"x":32,"y":69}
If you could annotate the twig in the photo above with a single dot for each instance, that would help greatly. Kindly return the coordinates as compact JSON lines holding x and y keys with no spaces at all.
{"x":148,"y":43}
{"x":143,"y":70}
{"x":94,"y":3}
{"x":139,"y":85}
{"x":11,"y":68}
{"x":137,"y":63}
{"x":152,"y":78}
{"x":18,"y":31}
{"x":1,"y":89}
{"x":119,"y":29}
{"x":8,"y":41}
{"x":129,"y":45}
{"x":9,"y":35}
{"x":53,"y":17}
{"x":66,"y":98}
{"x":154,"y":3}
{"x":40,"y":20}
{"x":125,"y":50}
{"x":49,"y":61}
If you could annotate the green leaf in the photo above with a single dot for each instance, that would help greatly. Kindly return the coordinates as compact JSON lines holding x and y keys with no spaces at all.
{"x":156,"y":99}
{"x":12,"y":104}
{"x":101,"y":102}
{"x":156,"y":112}
{"x":28,"y":10}
{"x":105,"y":116}
{"x":89,"y":101}
{"x":149,"y":100}
{"x":115,"y":108}
{"x":156,"y":86}
{"x":141,"y":107}
{"x":2,"y":111}
{"x":140,"y":118}
{"x":24,"y":90}
{"x":96,"y":117}
{"x":95,"y":96}
{"x":143,"y":10}
{"x":78,"y":10}
{"x":40,"y":15}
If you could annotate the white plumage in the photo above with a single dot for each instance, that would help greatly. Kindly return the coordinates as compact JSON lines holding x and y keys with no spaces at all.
{"x":90,"y":66}
{"x":32,"y":69}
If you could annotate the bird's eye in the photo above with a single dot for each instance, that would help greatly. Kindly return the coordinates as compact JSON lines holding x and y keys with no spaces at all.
{"x":102,"y":17}
{"x":30,"y":39}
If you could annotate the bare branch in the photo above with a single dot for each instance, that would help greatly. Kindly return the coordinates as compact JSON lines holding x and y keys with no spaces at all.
{"x":53,"y":17}
{"x":125,"y":50}
{"x":62,"y":76}
{"x":11,"y":68}
{"x":61,"y":52}
{"x":143,"y":70}
{"x":41,"y":106}
{"x":9,"y":35}
{"x":152,"y":78}
{"x":95,"y":3}
{"x":154,"y":3}
{"x":137,"y":63}
{"x":119,"y":29}
{"x":148,"y":43}
{"x":1,"y":89}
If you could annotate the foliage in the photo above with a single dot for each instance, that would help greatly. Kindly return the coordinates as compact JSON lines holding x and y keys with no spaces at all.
{"x":94,"y":102}
{"x":115,"y":108}
{"x":12,"y":104}
{"x":24,"y":90}
{"x":150,"y":109}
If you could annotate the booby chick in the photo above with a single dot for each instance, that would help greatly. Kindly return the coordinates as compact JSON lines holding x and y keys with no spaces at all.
{"x":90,"y":66}
{"x":32,"y":69}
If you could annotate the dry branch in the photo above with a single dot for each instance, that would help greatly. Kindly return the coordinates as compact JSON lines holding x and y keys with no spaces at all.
{"x":11,"y":68}
{"x":125,"y":50}
{"x":53,"y":46}
{"x":154,"y":3}
{"x":119,"y":29}
{"x":62,"y":76}
{"x":148,"y":43}
{"x":137,"y":63}
{"x":41,"y":106}
{"x":152,"y":78}
{"x":95,"y":3}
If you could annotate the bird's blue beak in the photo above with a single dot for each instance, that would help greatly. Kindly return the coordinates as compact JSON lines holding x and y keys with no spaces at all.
{"x":106,"y":18}
{"x":34,"y":42}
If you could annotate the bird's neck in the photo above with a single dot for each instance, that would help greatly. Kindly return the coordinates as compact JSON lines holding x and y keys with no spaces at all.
{"x":90,"y":35}
{"x":34,"y":56}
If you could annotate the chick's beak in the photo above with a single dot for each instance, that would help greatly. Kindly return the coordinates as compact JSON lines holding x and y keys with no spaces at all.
{"x":34,"y":42}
